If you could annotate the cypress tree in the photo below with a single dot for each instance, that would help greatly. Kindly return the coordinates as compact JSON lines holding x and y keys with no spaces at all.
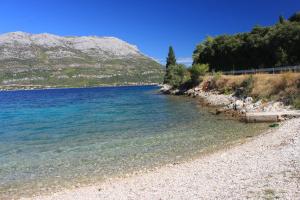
{"x":171,"y":59}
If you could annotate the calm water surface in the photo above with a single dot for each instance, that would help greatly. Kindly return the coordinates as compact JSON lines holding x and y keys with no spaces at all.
{"x":64,"y":137}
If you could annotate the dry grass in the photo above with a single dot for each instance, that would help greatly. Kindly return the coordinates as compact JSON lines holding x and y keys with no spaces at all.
{"x":284,"y":87}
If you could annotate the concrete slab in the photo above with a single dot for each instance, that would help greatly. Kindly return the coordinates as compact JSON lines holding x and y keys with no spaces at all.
{"x":271,"y":116}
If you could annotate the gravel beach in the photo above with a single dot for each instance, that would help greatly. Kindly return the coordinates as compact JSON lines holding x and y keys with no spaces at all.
{"x":264,"y":167}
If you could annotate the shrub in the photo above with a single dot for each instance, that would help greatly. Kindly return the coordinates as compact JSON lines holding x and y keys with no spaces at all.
{"x":217,"y":76}
{"x":296,"y":102}
{"x":177,"y":75}
{"x":247,"y":85}
{"x":198,"y":70}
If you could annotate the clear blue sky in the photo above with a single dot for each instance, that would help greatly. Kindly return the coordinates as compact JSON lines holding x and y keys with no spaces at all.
{"x":152,"y":25}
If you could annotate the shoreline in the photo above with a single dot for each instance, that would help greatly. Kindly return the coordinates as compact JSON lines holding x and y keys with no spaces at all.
{"x":61,"y":88}
{"x":266,"y":166}
{"x":245,"y":109}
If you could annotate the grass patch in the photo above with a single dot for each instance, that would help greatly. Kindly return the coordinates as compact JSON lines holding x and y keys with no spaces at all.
{"x":283,"y":87}
{"x":270,"y":194}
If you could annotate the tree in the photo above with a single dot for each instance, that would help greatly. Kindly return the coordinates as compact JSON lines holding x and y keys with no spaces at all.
{"x":295,"y":17}
{"x":198,"y":70}
{"x":281,"y":57}
{"x":176,"y":75}
{"x":276,"y":45}
{"x":281,"y":19}
{"x":171,"y":59}
{"x":197,"y":52}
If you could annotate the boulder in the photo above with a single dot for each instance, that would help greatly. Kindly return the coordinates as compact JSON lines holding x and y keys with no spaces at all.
{"x":166,"y":89}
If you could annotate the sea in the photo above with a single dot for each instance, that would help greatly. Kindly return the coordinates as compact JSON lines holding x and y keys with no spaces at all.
{"x":54,"y":139}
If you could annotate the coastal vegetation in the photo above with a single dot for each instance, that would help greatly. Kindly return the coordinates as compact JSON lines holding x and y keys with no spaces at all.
{"x":282,"y":87}
{"x":277,"y":45}
{"x":179,"y":75}
{"x":271,"y":46}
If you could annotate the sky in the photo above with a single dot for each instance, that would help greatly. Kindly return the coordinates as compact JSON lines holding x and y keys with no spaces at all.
{"x":152,"y":25}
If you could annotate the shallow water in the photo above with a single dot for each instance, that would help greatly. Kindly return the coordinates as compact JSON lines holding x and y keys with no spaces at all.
{"x":62,"y":137}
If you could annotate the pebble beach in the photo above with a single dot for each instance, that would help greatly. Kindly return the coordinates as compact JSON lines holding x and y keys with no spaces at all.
{"x":263,"y":167}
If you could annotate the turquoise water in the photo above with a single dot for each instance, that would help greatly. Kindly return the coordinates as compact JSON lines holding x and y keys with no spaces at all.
{"x":52,"y":139}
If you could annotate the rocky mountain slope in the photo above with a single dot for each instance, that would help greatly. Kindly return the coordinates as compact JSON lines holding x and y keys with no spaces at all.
{"x":46,"y":60}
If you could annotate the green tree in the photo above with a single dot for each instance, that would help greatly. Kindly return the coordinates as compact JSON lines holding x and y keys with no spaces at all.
{"x":198,"y":70}
{"x":281,"y":57}
{"x":176,"y":75}
{"x":171,"y":59}
{"x":276,"y":45}
{"x":197,"y":52}
{"x":295,"y":17}
{"x":281,"y":19}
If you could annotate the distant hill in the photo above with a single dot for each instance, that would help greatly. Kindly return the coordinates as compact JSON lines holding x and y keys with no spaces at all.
{"x":46,"y":60}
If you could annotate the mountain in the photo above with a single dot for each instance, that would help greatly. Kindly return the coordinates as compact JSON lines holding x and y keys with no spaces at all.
{"x":46,"y":60}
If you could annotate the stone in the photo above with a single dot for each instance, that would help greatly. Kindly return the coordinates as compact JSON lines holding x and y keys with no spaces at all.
{"x":278,"y":106}
{"x":239,"y":104}
{"x":166,"y":89}
{"x":249,"y":107}
{"x":176,"y":91}
{"x":197,"y":89}
{"x":258,"y":103}
{"x":248,"y":100}
{"x":243,"y":111}
{"x":190,"y":92}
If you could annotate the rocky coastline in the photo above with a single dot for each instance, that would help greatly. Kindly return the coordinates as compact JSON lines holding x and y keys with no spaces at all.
{"x":242,"y":108}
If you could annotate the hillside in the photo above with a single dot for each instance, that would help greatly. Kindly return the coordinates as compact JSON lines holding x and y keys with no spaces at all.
{"x":46,"y":60}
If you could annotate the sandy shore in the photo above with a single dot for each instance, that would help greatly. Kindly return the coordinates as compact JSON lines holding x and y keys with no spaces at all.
{"x":264,"y":167}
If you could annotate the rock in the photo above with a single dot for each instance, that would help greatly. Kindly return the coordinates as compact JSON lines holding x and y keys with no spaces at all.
{"x":230,"y":106}
{"x":281,"y":118}
{"x":277,"y":106}
{"x":258,"y":103}
{"x":239,"y":104}
{"x":174,"y":92}
{"x":249,"y":107}
{"x":166,"y":89}
{"x":243,"y":111}
{"x":248,"y":100}
{"x":197,"y":89}
{"x":190,"y":92}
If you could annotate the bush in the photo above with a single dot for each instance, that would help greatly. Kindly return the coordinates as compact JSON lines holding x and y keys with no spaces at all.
{"x":217,"y":75}
{"x":177,"y":75}
{"x":198,"y":70}
{"x":247,"y":85}
{"x":296,"y":102}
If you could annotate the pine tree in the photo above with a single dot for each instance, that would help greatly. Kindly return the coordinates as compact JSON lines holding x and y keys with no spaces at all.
{"x":171,"y":59}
